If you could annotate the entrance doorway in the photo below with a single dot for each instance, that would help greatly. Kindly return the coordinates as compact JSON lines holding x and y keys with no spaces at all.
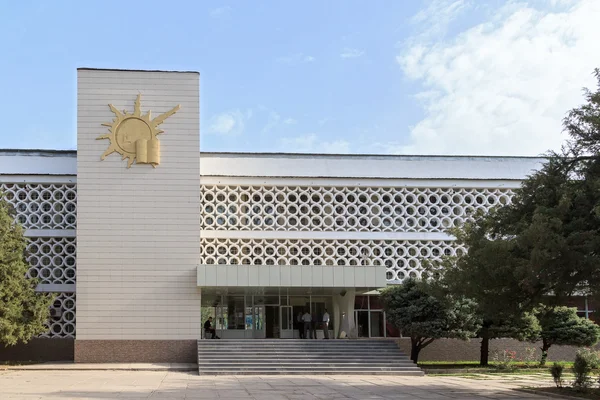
{"x":272,"y":330}
{"x":240,"y":316}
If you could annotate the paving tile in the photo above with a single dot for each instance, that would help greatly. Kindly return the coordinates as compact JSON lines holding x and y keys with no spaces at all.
{"x":166,"y":384}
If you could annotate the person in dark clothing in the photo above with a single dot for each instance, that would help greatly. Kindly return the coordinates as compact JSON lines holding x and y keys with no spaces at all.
{"x":300,"y":326}
{"x":306,"y":318}
{"x":209,"y":330}
{"x":313,"y":328}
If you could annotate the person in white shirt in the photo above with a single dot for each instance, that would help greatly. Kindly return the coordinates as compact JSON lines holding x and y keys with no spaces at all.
{"x":307,"y":319}
{"x":326,"y":324}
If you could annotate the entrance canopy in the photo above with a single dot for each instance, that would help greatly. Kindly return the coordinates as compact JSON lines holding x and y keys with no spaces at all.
{"x":309,"y":276}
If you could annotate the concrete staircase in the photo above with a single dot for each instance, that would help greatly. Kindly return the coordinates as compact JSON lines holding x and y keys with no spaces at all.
{"x":306,"y":357}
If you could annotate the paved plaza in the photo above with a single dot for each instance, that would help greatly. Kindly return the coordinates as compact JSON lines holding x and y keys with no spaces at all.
{"x":69,"y":384}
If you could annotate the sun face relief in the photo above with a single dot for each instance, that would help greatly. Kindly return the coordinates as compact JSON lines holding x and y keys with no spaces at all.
{"x":133,"y":136}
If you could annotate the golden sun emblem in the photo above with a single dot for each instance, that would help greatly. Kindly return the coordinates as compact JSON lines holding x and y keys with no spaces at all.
{"x":133,"y":136}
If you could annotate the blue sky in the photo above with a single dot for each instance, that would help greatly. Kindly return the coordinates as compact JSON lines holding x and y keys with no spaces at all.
{"x":408,"y":77}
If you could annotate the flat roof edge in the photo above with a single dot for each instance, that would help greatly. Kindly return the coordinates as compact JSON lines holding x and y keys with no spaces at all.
{"x":135,"y":70}
{"x":39,"y":151}
{"x":295,"y":155}
{"x":359,"y":155}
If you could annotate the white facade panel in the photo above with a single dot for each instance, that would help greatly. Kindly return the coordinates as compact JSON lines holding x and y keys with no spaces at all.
{"x":137,"y":234}
{"x":367,"y":166}
{"x":281,"y":276}
{"x":42,"y":162}
{"x":314,"y":169}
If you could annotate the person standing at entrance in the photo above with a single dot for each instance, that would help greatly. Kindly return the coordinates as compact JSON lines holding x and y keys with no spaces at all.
{"x":313,"y":327}
{"x":326,"y":325}
{"x":306,"y":318}
{"x":300,"y":326}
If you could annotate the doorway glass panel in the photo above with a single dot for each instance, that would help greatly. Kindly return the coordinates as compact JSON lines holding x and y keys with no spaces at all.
{"x":286,"y":318}
{"x":259,"y":322}
{"x":249,"y":318}
{"x":376,"y":323}
{"x":235,"y":313}
{"x":362,"y":323}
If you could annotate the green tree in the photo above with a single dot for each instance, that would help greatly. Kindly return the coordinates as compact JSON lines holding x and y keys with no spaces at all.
{"x":425,"y":315}
{"x":562,"y":326}
{"x":545,"y":243}
{"x":523,"y":327}
{"x":490,"y":274}
{"x":22,"y":310}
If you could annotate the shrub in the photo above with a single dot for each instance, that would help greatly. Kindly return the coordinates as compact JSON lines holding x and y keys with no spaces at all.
{"x":585,"y":361}
{"x":557,"y":372}
{"x":504,"y":359}
{"x":529,"y":356}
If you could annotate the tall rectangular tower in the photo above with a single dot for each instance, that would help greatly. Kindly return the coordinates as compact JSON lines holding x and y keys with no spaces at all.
{"x":138,"y":232}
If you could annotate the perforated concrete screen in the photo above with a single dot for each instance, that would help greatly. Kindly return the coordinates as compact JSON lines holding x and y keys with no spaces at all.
{"x":342,"y":209}
{"x":43,"y":206}
{"x":402,"y":258}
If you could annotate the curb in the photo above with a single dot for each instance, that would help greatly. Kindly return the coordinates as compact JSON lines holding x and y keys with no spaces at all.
{"x":542,"y":393}
{"x":104,"y":369}
{"x":458,"y":371}
{"x":100,"y":368}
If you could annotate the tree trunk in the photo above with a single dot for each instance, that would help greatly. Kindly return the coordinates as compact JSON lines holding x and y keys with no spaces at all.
{"x":545,"y":347}
{"x":485,"y":347}
{"x":415,"y":348}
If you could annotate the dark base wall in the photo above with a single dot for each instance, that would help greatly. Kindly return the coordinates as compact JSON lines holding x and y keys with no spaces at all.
{"x":39,"y":350}
{"x":458,"y":350}
{"x":136,"y":351}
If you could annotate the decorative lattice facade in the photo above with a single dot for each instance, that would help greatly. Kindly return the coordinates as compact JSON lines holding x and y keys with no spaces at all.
{"x":62,"y":325}
{"x":343,"y":208}
{"x":52,"y":260}
{"x":402,"y":258}
{"x":43,"y":206}
{"x":269,"y":208}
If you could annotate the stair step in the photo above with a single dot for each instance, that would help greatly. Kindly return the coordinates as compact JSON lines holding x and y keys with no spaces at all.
{"x":312,"y":368}
{"x":311,"y":365}
{"x":311,"y":372}
{"x":306,"y":357}
{"x":303,"y":357}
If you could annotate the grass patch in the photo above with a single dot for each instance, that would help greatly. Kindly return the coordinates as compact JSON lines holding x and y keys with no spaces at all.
{"x":566,"y":391}
{"x":468,"y":368}
{"x":475,"y":364}
{"x":9,"y":363}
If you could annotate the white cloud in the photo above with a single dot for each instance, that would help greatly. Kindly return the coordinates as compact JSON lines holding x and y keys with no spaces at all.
{"x":273,"y":120}
{"x":290,"y":121}
{"x":351,"y":53}
{"x":229,"y":122}
{"x":218,"y":12}
{"x":438,"y":14}
{"x":297,"y":58}
{"x":503,"y":86}
{"x":312,"y":144}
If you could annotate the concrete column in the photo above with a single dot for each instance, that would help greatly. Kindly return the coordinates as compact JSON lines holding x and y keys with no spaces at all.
{"x":337,"y":317}
{"x":345,"y":313}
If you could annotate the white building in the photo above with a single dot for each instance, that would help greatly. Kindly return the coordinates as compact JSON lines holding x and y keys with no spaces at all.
{"x":134,"y":253}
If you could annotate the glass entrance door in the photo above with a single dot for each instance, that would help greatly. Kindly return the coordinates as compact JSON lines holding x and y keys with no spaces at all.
{"x":259,"y":322}
{"x":287,"y":322}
